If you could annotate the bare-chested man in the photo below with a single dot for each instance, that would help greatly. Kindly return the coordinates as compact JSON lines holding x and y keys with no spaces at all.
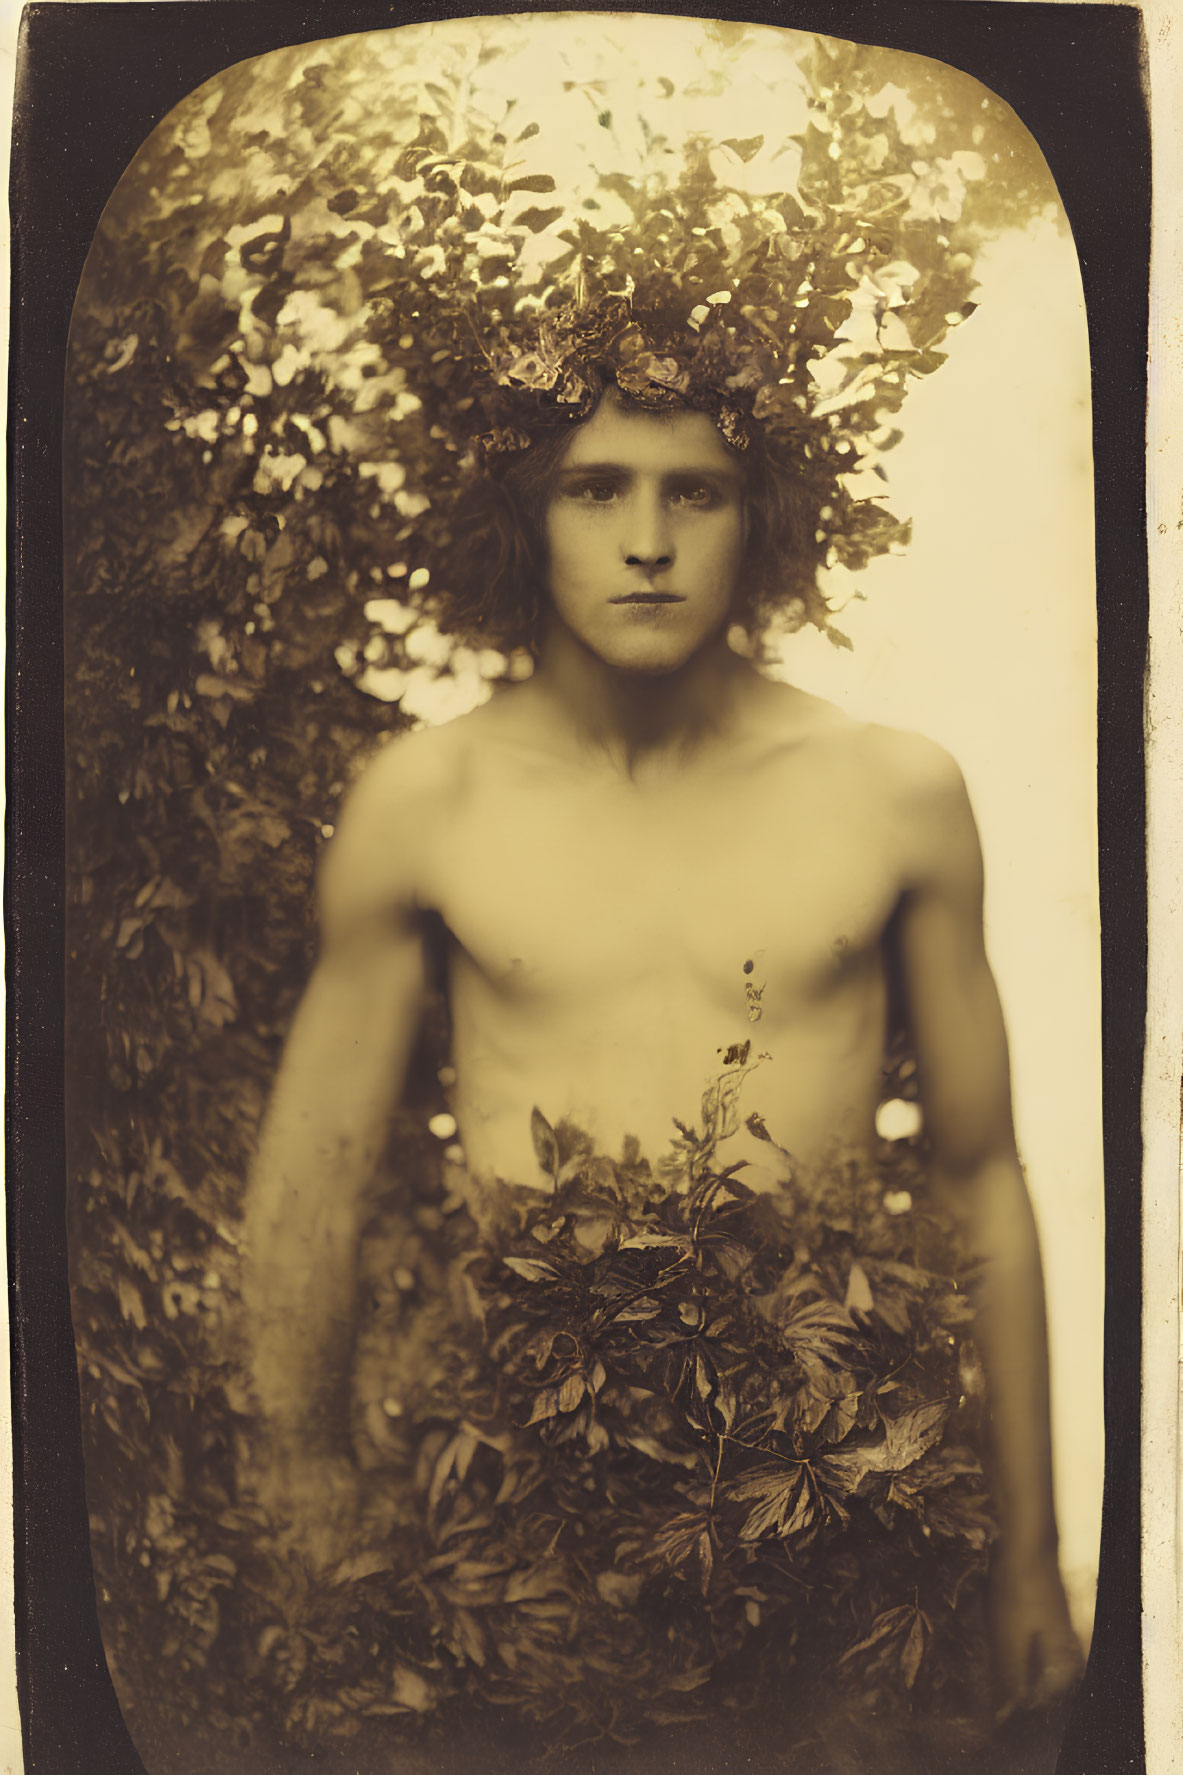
{"x":625,"y":850}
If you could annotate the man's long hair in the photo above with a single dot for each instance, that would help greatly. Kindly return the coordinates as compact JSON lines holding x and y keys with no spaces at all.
{"x":493,"y":583}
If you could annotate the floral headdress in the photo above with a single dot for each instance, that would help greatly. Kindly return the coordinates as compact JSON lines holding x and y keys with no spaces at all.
{"x":797,"y":317}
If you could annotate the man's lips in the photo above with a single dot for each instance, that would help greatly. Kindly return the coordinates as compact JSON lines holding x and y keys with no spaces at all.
{"x":649,"y":598}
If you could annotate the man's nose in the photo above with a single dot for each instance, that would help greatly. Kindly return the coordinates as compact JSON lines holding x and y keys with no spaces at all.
{"x":647,"y":539}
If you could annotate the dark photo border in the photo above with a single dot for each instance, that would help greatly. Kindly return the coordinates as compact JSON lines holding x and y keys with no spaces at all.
{"x":92,"y":82}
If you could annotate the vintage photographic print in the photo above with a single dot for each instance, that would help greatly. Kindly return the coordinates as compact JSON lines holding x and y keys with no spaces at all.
{"x":586,"y":1230}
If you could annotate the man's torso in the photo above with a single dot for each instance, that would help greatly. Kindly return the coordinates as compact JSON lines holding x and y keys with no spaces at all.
{"x":609,"y":939}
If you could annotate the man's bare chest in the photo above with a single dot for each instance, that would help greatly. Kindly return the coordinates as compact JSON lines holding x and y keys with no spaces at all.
{"x":570,"y":891}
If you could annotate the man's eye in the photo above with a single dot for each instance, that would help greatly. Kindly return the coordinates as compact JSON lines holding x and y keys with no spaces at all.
{"x":593,"y":492}
{"x":696,"y":494}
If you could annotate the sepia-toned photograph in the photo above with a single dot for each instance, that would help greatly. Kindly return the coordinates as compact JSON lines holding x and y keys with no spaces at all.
{"x":583,"y":1034}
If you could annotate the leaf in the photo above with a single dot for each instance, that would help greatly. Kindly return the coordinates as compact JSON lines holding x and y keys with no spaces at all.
{"x":130,"y":1303}
{"x":536,"y":219}
{"x":546,"y":1146}
{"x":211,"y":990}
{"x":410,"y":1689}
{"x":821,"y":1335}
{"x":212,"y":684}
{"x":644,"y":1308}
{"x":769,"y":1516}
{"x":533,"y":182}
{"x":362,"y":1565}
{"x":914,"y":1432}
{"x":705,"y":1550}
{"x":904,"y":1440}
{"x":533,"y":1269}
{"x":619,"y":1590}
{"x":859,"y":1298}
{"x":593,"y":1233}
{"x":889,"y":1624}
{"x":913,"y":1652}
{"x":841,"y":1417}
{"x":546,"y":1405}
{"x":533,"y":1584}
{"x":837,"y":638}
{"x":746,"y":147}
{"x":571,"y":1392}
{"x":688,"y":1680}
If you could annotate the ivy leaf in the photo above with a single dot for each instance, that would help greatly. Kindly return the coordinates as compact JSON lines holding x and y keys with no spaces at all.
{"x":888,"y":1626}
{"x":781,"y":1500}
{"x":914,"y":1432}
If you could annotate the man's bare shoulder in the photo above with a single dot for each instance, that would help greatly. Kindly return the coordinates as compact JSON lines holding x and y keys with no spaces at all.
{"x":919,"y":771}
{"x":379,"y":856}
{"x":905,"y":776}
{"x":894,"y":761}
{"x":411,"y":772}
{"x":925,"y":794}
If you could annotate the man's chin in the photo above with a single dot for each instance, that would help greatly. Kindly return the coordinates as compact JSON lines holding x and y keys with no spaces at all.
{"x":650,"y":667}
{"x":656,"y":659}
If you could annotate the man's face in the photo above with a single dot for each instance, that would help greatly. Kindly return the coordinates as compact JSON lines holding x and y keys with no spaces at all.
{"x":645,"y":536}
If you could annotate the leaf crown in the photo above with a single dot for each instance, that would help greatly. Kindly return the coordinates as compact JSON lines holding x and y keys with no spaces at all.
{"x":795,"y":319}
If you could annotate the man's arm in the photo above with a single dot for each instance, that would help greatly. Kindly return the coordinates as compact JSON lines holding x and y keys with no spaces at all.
{"x":339,"y":1081}
{"x":961,"y":1050}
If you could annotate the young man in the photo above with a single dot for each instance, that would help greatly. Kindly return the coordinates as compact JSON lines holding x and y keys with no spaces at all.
{"x":638,"y":854}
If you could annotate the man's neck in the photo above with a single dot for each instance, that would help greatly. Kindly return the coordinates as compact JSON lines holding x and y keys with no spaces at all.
{"x":640,"y":722}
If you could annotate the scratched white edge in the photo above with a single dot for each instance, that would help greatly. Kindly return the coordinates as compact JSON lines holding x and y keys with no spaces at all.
{"x":1162,"y":1385}
{"x":1162,"y":1327}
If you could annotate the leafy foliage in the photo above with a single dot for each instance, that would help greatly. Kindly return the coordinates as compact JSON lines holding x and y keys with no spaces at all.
{"x":636,"y":1447}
